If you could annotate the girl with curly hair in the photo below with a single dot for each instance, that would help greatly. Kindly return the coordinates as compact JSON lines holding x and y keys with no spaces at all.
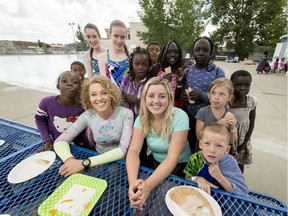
{"x":110,"y":124}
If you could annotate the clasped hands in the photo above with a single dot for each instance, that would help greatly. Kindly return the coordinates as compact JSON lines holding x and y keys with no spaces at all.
{"x":138,"y":193}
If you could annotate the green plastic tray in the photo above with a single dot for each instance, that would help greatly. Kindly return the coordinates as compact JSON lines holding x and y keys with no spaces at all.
{"x":96,"y":185}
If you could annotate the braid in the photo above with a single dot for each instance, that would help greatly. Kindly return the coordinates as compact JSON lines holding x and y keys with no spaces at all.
{"x":126,"y":50}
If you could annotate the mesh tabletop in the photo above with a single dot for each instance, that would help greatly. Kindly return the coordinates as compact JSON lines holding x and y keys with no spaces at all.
{"x":25,"y":198}
{"x":17,"y":137}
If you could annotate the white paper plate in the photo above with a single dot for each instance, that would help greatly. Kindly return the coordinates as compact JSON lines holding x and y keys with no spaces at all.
{"x":177,"y":211}
{"x":1,"y":143}
{"x":31,"y":167}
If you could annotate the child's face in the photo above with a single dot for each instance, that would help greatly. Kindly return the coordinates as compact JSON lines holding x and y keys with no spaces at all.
{"x":213,"y":146}
{"x":100,"y":99}
{"x":241,"y":85}
{"x":69,"y":84}
{"x":154,"y":51}
{"x":219,"y":96}
{"x":201,"y":52}
{"x":157,"y":100}
{"x":79,"y":70}
{"x":118,"y":37}
{"x":92,"y":37}
{"x":172,"y":54}
{"x":140,"y":65}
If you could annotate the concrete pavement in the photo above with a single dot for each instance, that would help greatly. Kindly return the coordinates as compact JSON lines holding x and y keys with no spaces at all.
{"x":267,"y":174}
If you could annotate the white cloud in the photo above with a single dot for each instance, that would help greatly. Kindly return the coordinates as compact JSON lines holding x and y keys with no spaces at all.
{"x":48,"y":20}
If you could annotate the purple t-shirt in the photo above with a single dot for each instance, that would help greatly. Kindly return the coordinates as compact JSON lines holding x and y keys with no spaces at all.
{"x":52,"y":119}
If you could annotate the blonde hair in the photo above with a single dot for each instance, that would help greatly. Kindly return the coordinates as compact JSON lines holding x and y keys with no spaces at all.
{"x":222,"y":82}
{"x":146,"y":117}
{"x":218,"y":129}
{"x":107,"y":85}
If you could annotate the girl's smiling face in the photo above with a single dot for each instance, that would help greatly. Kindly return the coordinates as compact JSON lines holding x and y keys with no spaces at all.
{"x":172,"y":54}
{"x":92,"y":37}
{"x":100,"y":100}
{"x":118,"y":37}
{"x":157,"y":100}
{"x":140,"y":65}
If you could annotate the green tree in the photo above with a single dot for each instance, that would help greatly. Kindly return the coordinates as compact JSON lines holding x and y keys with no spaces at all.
{"x":181,"y":20}
{"x":44,"y":46}
{"x":81,"y":43}
{"x":243,"y":24}
{"x":79,"y":34}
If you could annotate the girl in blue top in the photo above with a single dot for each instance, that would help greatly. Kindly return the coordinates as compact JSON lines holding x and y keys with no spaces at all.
{"x":91,"y":56}
{"x":196,"y":80}
{"x":165,"y":128}
{"x":114,"y":64}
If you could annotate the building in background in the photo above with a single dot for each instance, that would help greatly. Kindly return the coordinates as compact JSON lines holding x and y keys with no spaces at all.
{"x":281,"y":49}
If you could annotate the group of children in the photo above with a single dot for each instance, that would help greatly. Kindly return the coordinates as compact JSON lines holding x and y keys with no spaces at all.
{"x":178,"y":109}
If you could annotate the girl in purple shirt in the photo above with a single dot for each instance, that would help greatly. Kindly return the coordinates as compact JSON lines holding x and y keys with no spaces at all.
{"x":133,"y":83}
{"x":56,"y":113}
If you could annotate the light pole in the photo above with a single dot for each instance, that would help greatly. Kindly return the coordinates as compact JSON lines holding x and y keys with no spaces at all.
{"x":72,"y":24}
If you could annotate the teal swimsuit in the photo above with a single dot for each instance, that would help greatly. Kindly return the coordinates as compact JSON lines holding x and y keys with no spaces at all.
{"x":94,"y":64}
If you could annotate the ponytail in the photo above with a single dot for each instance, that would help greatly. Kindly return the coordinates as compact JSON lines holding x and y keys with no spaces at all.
{"x":126,"y":51}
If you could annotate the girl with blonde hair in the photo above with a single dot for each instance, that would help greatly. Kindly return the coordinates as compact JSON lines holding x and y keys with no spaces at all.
{"x":165,"y":128}
{"x":114,"y":63}
{"x":220,"y":92}
{"x":111,"y":126}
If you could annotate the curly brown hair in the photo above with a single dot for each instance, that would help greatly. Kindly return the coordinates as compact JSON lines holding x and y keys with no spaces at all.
{"x":112,"y":90}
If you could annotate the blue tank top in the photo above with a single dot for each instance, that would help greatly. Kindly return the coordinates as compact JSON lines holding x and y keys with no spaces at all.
{"x":94,"y":64}
{"x":116,"y":70}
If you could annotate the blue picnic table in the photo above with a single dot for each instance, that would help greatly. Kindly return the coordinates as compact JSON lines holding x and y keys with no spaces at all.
{"x":25,"y":198}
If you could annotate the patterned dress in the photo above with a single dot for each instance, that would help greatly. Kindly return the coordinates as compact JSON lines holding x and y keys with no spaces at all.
{"x":242,"y":114}
{"x":116,"y":70}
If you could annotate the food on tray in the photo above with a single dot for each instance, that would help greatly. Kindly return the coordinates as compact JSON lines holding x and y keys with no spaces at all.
{"x":191,"y":201}
{"x":42,"y":161}
{"x":188,"y":90}
{"x":75,"y":200}
{"x":168,"y":70}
